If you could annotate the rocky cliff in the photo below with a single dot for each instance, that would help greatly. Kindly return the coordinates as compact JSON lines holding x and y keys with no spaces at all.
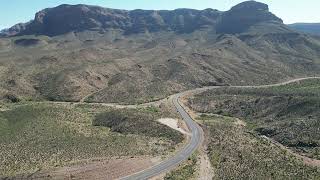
{"x":68,"y":18}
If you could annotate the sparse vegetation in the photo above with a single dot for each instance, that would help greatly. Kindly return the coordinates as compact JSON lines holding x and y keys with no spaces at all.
{"x":126,"y":69}
{"x":102,"y":55}
{"x":11,"y":98}
{"x":185,"y":171}
{"x":142,"y":122}
{"x":289,"y":113}
{"x":236,"y":153}
{"x":152,"y":109}
{"x":40,"y":136}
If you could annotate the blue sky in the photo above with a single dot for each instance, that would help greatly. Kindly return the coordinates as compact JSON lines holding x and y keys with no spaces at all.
{"x":15,"y":11}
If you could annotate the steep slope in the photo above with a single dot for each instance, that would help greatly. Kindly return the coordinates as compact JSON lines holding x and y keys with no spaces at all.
{"x":69,"y":52}
{"x":244,"y":15}
{"x":69,"y":18}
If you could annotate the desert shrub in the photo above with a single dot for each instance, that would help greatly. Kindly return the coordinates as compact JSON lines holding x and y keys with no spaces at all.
{"x":45,"y":136}
{"x":289,"y":113}
{"x":237,"y":154}
{"x":11,"y":98}
{"x":185,"y":171}
{"x":136,"y":122}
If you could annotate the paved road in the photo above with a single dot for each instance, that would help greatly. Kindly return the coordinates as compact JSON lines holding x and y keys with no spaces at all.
{"x":196,"y":135}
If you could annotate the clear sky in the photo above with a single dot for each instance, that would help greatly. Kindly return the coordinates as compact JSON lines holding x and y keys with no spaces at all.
{"x":291,"y":11}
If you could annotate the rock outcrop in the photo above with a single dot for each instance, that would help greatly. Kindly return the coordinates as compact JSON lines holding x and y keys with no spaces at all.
{"x":68,"y":18}
{"x":244,"y":15}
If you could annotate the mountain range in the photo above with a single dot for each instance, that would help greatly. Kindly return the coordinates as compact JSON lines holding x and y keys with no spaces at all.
{"x":95,"y":54}
{"x":311,"y":28}
{"x":68,"y":18}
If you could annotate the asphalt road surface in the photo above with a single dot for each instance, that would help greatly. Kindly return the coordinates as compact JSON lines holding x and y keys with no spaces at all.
{"x":196,"y":135}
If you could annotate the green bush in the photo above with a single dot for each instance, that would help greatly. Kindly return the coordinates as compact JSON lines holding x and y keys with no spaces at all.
{"x":185,"y":171}
{"x":136,"y":122}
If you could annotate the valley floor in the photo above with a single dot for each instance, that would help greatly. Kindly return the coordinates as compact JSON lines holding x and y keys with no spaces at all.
{"x":72,"y":140}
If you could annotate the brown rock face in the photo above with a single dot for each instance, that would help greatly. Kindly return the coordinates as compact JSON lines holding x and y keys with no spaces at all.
{"x":244,"y":15}
{"x":68,"y":18}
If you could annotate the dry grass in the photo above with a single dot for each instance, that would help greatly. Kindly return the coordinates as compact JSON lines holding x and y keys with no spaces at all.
{"x":289,"y":114}
{"x":39,"y":136}
{"x":235,"y":153}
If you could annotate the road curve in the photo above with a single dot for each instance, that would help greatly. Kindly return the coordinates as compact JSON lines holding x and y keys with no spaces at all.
{"x":193,"y":144}
{"x":196,"y":133}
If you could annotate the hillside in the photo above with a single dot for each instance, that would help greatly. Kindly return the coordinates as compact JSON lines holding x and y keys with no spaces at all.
{"x":261,"y":132}
{"x":288,"y":114}
{"x":35,"y":138}
{"x":71,"y":52}
{"x":236,"y":153}
{"x":311,"y":28}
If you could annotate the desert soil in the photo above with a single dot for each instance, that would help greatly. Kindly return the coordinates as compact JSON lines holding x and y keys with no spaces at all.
{"x":205,"y":171}
{"x":97,"y":169}
{"x":173,"y":123}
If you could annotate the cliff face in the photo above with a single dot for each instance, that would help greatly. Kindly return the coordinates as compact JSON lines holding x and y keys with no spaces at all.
{"x":68,"y":18}
{"x":244,"y":15}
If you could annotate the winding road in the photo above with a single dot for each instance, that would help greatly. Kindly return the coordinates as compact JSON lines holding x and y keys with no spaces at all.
{"x":193,"y":144}
{"x":196,"y":134}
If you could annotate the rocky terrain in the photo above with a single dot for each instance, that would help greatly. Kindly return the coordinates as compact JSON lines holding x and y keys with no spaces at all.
{"x":95,"y":54}
{"x":106,"y":58}
{"x":68,"y":18}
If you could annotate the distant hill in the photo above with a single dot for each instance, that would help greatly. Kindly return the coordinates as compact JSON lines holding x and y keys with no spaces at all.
{"x":312,"y":28}
{"x":67,"y":18}
{"x":71,"y":51}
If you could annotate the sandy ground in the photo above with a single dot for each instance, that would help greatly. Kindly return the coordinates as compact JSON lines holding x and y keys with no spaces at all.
{"x":205,"y":168}
{"x":239,"y":122}
{"x":172,"y":123}
{"x":205,"y":171}
{"x":95,"y":170}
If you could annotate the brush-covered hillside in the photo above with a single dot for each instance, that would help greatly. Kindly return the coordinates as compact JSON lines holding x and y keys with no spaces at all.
{"x":289,"y":114}
{"x":81,"y":52}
